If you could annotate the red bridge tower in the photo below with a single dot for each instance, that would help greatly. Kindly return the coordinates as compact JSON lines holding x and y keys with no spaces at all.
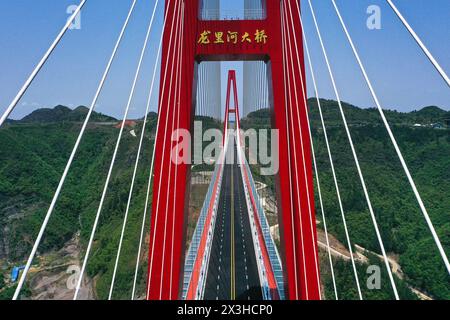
{"x":234,"y":40}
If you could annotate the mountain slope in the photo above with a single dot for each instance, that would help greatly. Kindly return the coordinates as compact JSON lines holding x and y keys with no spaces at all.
{"x":33,"y":156}
{"x":62,"y":113}
{"x":404,"y":231}
{"x":32,"y":159}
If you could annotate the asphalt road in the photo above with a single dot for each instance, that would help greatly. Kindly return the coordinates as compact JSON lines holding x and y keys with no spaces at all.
{"x":232,"y":271}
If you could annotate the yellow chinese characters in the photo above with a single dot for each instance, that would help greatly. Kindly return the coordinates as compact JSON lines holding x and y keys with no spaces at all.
{"x":260,"y":36}
{"x":246,"y":38}
{"x":219,"y":37}
{"x":204,"y":37}
{"x":232,"y":37}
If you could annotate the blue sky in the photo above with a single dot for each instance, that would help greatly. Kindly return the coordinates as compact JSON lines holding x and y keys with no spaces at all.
{"x":401,"y":74}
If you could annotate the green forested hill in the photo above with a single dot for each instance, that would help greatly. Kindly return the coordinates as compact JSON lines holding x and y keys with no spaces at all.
{"x":33,"y":154}
{"x":62,"y":113}
{"x":404,"y":231}
{"x":32,"y":159}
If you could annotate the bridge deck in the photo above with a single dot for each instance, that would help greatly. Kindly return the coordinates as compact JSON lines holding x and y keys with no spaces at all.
{"x":232,"y":271}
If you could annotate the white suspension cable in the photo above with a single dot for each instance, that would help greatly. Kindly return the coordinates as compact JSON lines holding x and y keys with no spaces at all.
{"x":323,"y":214}
{"x":147,"y":197}
{"x":251,"y":87}
{"x":199,"y":96}
{"x":111,"y":167}
{"x":144,"y":218}
{"x":72,"y":156}
{"x":255,"y":82}
{"x":288,"y":96}
{"x":255,"y":87}
{"x":207,"y":90}
{"x":317,"y":171}
{"x":259,"y":85}
{"x":169,"y":104}
{"x":202,"y":89}
{"x":261,"y":90}
{"x":421,"y":45}
{"x":351,"y":144}
{"x":399,"y":154}
{"x":180,"y":74}
{"x":263,"y":85}
{"x":164,"y":143}
{"x":130,"y":194}
{"x":244,"y":89}
{"x":41,"y":63}
{"x":266,"y":87}
{"x":256,"y":77}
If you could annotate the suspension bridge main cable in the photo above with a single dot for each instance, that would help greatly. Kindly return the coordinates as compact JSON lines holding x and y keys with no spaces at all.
{"x":72,"y":156}
{"x":351,"y":144}
{"x":130,"y":194}
{"x":113,"y":160}
{"x":397,"y":149}
{"x":41,"y":63}
{"x":287,"y":93}
{"x":177,"y":4}
{"x":423,"y":47}
{"x":308,"y":194}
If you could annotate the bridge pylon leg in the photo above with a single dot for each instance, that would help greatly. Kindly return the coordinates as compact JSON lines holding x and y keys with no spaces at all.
{"x":171,"y":179}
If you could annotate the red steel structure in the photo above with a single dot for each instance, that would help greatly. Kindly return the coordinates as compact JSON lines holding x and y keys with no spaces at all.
{"x":232,"y":84}
{"x":234,"y":40}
